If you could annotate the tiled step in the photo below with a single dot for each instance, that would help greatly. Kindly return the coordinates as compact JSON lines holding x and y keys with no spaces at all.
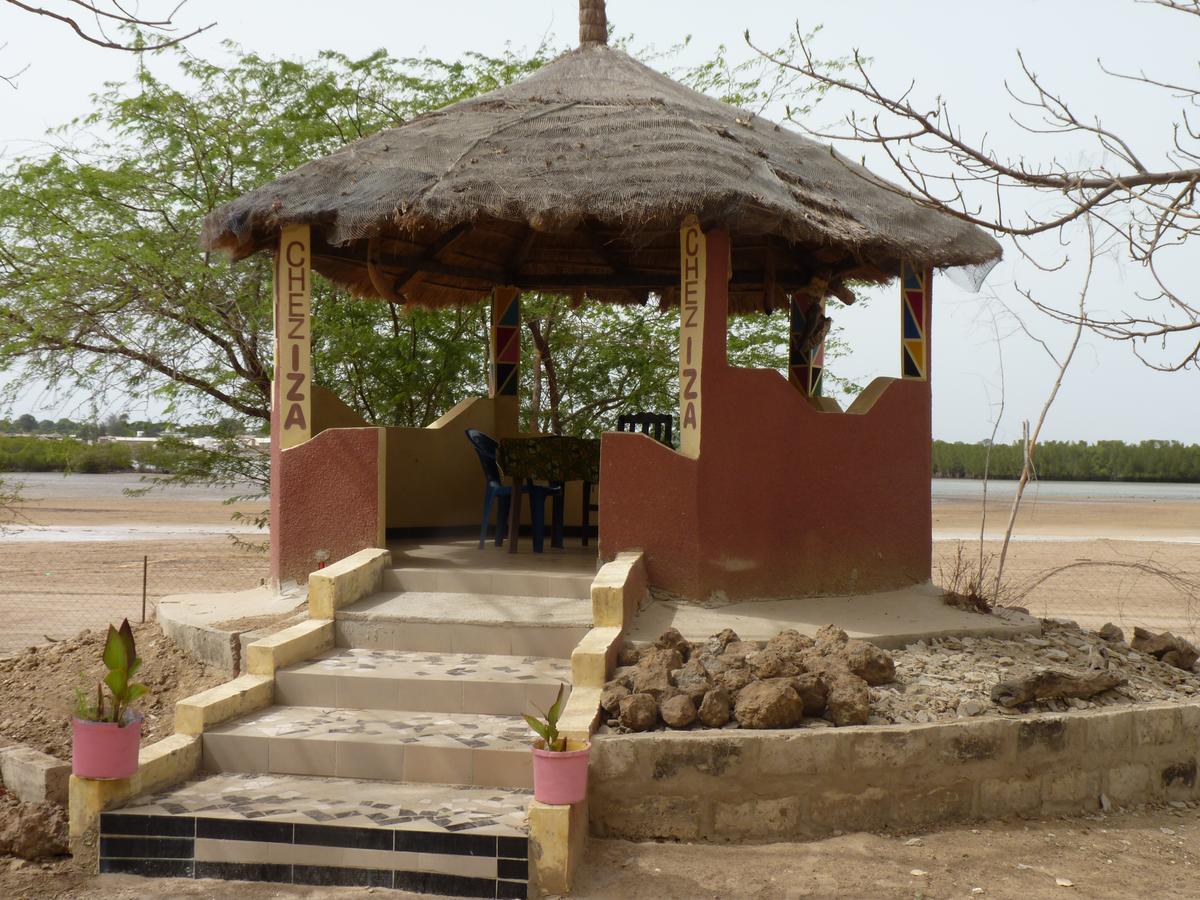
{"x":531,"y":583}
{"x":465,"y":623}
{"x":375,"y":744}
{"x":466,"y":842}
{"x":423,"y":682}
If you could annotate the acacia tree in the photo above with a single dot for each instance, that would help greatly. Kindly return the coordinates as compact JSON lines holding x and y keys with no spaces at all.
{"x":104,"y":289}
{"x":1147,"y":203}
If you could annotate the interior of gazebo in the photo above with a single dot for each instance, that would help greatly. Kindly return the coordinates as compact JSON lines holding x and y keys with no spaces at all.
{"x":767,"y":487}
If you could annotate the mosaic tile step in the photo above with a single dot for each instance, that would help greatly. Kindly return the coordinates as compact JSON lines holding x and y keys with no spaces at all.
{"x":425,"y":682}
{"x":432,"y":622}
{"x":375,"y":744}
{"x":439,"y":839}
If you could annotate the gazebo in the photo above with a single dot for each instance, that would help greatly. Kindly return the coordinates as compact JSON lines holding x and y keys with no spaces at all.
{"x":601,"y":178}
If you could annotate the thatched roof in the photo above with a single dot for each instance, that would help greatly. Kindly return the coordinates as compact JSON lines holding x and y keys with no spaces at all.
{"x":577,"y":179}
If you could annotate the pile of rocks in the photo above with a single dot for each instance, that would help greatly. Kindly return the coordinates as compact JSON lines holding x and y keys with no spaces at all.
{"x":726,"y":682}
{"x":1166,"y":647}
{"x":952,"y":677}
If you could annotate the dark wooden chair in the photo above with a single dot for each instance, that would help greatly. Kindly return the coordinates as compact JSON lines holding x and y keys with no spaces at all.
{"x":654,"y":425}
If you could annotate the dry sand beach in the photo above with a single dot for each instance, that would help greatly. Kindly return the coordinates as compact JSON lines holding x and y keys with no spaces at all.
{"x":1093,"y":553}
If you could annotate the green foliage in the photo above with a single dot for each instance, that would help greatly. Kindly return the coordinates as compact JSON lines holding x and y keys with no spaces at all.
{"x":31,"y":454}
{"x":1168,"y":461}
{"x":546,"y":727}
{"x":121,"y":659}
{"x":104,"y":289}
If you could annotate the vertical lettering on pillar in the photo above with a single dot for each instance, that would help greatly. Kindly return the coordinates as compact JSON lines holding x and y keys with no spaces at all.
{"x":506,"y":342}
{"x":693,"y":271}
{"x":916,"y":286}
{"x":293,"y":336}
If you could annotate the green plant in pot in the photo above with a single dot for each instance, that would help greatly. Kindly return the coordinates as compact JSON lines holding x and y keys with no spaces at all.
{"x":106,"y":729}
{"x":559,"y":770}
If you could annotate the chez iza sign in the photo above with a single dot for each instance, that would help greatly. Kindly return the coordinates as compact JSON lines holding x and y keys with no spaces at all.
{"x":691,"y":334}
{"x":293,"y":336}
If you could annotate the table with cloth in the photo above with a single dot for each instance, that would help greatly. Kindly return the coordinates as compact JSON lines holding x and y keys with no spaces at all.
{"x":551,"y":458}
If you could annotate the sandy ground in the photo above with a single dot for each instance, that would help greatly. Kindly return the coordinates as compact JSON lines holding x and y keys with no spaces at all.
{"x":1133,"y":562}
{"x":1144,"y":853}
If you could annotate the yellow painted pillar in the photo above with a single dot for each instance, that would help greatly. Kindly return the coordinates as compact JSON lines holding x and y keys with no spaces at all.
{"x":292,"y":410}
{"x":703,"y":314}
{"x":693,"y":271}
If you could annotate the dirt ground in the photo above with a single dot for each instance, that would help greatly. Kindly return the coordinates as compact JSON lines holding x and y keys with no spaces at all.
{"x":37,"y":687}
{"x":1139,"y":854}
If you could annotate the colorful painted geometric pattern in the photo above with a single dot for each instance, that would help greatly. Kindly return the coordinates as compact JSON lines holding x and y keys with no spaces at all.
{"x":914,"y":321}
{"x":506,"y":343}
{"x":805,"y":367}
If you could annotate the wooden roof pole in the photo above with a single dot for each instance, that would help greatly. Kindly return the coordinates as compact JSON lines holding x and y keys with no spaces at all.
{"x":593,"y":23}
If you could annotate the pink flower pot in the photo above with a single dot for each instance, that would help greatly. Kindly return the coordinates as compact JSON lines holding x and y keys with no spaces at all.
{"x":560,"y":778}
{"x":105,"y":749}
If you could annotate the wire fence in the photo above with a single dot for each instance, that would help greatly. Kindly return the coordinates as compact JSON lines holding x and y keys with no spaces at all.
{"x":54,"y":591}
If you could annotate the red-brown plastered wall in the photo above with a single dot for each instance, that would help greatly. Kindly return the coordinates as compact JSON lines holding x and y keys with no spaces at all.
{"x":324,"y":496}
{"x":784,"y":499}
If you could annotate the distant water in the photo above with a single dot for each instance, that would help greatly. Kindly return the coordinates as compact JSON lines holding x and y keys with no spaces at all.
{"x":972,"y":489}
{"x":51,"y":485}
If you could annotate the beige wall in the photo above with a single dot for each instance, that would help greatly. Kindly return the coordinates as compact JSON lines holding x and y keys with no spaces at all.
{"x":433,"y":475}
{"x":730,"y":786}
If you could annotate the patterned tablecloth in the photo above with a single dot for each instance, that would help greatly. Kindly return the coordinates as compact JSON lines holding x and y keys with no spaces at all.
{"x":550,"y":458}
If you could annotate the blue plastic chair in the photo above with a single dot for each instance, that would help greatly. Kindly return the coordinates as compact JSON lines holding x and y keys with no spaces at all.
{"x":496,"y":490}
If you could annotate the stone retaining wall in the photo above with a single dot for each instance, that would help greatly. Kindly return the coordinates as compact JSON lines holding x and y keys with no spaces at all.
{"x":733,"y":786}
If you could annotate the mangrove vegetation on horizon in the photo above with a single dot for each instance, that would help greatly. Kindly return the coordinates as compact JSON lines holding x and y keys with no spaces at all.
{"x":1168,"y":461}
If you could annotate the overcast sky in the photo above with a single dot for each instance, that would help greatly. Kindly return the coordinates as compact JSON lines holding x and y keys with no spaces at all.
{"x":962,"y":51}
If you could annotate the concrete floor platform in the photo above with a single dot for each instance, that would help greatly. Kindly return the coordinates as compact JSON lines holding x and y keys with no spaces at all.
{"x":890,"y":620}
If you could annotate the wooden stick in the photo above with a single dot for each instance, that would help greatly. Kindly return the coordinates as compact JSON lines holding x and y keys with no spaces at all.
{"x":1050,"y":683}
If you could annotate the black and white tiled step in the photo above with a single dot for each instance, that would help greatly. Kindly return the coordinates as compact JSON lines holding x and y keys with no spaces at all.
{"x":423,"y":682}
{"x":375,"y":744}
{"x":430,"y":622}
{"x":437,"y":839}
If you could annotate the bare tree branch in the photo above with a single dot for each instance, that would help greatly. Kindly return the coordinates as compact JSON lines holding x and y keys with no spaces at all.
{"x":164,"y":28}
{"x":1149,"y":205}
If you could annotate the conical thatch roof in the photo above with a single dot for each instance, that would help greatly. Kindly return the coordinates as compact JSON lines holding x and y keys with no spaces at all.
{"x":577,"y":178}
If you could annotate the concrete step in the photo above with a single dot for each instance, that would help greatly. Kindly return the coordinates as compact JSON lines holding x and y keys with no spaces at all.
{"x":427,"y":838}
{"x":508,"y":581}
{"x":436,"y":622}
{"x":375,"y":744}
{"x":423,"y":682}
